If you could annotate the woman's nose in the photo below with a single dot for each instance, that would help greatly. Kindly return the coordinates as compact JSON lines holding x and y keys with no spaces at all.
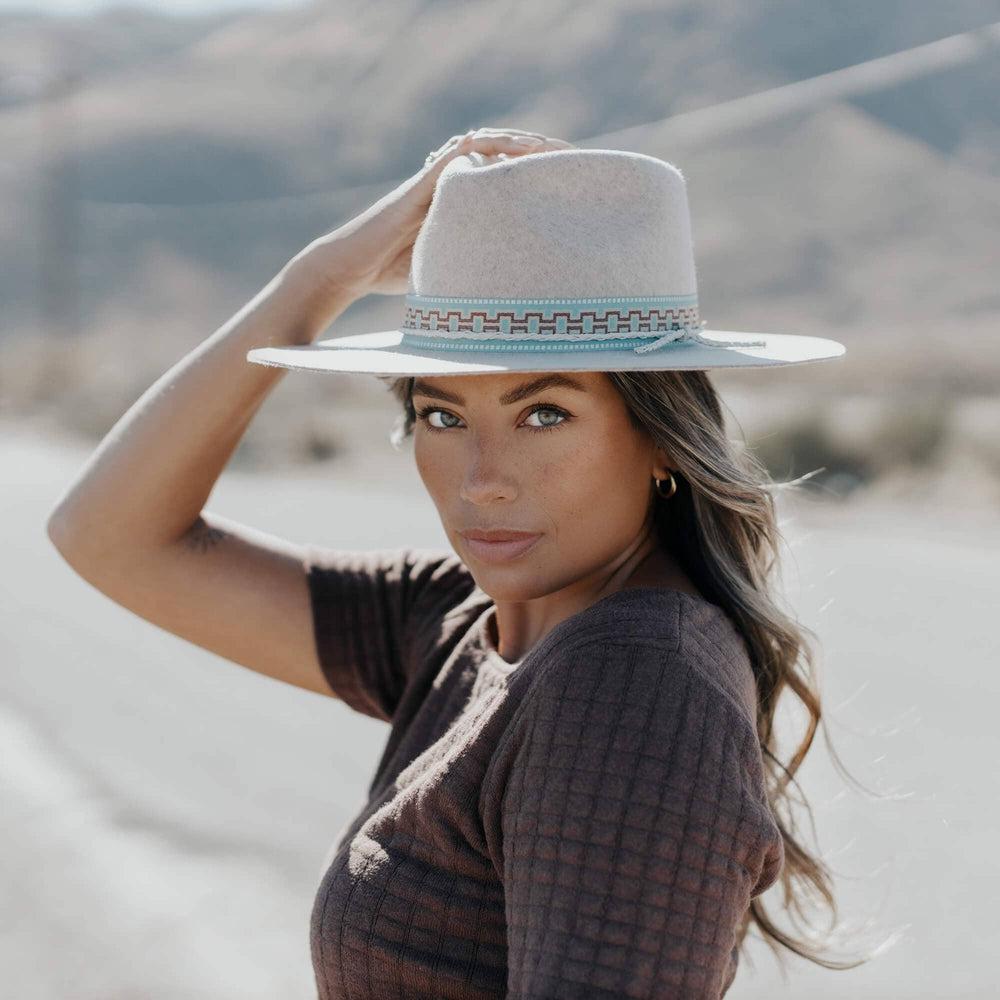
{"x":486,"y":480}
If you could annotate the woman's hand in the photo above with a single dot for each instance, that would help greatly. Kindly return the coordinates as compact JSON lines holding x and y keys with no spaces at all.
{"x":373,"y":252}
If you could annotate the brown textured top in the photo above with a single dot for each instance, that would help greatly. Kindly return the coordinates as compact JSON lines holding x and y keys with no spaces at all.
{"x":591,"y":821}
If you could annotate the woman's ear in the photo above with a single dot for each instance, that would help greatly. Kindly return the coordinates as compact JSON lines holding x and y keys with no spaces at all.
{"x":662,"y":463}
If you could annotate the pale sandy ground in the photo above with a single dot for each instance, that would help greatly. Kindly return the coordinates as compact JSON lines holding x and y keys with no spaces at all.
{"x":167,"y":813}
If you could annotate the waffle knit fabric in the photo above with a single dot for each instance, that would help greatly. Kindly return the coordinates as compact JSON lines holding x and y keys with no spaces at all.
{"x":589,"y":822}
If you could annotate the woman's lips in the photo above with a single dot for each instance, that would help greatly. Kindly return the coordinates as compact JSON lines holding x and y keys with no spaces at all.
{"x":500,"y":551}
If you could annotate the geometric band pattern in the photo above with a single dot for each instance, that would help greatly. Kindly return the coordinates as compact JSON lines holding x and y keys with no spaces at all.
{"x":641,"y":323}
{"x":592,"y":317}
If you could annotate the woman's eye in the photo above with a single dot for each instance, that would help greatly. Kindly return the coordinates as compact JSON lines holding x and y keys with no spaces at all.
{"x":549,"y":413}
{"x":444,"y":414}
{"x":551,"y":418}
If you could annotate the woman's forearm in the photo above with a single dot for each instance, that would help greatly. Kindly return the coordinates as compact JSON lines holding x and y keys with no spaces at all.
{"x":151,"y":475}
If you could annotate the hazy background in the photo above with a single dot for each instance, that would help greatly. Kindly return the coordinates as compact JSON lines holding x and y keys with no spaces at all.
{"x":168,"y":812}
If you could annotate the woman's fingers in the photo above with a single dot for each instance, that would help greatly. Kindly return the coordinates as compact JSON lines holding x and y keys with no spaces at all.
{"x":498,"y":134}
{"x":505,"y":142}
{"x":495,"y":143}
{"x":505,"y":131}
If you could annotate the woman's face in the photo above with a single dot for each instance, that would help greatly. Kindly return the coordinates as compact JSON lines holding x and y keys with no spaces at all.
{"x":505,"y":451}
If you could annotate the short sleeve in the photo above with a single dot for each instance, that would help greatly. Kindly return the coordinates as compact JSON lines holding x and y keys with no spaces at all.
{"x":372,"y":610}
{"x":635,"y":828}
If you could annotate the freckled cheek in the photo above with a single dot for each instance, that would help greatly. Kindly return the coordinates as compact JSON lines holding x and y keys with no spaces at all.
{"x":435,"y":469}
{"x":571,"y":491}
{"x":602,"y":491}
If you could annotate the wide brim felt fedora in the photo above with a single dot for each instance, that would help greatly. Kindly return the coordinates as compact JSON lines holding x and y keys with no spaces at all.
{"x":563,"y":260}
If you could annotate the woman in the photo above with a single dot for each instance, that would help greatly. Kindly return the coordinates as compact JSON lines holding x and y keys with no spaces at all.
{"x":573,"y":799}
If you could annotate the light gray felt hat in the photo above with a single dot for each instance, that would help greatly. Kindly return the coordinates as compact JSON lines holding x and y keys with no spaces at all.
{"x":562,"y":260}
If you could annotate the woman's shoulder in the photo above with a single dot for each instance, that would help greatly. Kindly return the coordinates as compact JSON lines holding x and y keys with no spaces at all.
{"x":648,"y":696}
{"x":406,"y":601}
{"x":640,"y":640}
{"x":426,"y":580}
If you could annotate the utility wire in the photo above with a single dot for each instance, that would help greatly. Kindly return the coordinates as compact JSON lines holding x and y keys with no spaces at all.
{"x":701,"y":124}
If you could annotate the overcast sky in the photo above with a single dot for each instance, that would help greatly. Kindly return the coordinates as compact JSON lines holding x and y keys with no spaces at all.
{"x":178,"y":6}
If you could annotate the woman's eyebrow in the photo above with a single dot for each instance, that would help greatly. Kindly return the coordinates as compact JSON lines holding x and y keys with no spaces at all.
{"x":515,"y":395}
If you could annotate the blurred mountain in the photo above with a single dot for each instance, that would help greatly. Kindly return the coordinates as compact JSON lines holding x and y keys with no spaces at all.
{"x":183,"y":160}
{"x":36,"y":47}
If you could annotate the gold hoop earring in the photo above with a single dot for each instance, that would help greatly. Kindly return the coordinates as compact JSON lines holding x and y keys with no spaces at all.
{"x":673,"y":486}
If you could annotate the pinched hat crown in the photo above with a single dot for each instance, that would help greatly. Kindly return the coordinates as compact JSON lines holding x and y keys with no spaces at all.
{"x":579,"y":244}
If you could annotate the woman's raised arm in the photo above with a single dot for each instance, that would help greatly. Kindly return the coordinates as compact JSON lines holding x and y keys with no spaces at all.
{"x":132,"y":522}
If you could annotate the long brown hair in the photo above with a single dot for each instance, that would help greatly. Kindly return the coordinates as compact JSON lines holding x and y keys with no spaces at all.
{"x":722,"y":526}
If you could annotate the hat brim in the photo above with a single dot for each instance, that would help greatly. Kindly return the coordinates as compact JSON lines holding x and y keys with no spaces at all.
{"x":383,"y":353}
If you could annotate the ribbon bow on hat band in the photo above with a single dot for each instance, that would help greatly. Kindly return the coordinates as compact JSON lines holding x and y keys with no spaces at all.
{"x":643,"y":323}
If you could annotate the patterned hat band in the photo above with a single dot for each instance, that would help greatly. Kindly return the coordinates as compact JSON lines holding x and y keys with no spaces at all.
{"x":643,"y":323}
